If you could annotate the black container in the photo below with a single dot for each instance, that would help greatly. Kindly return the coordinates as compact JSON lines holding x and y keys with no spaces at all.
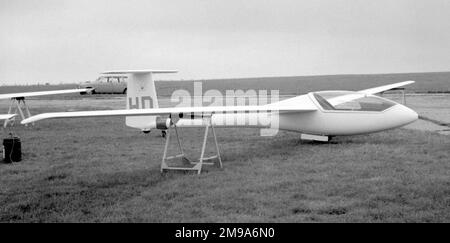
{"x":12,"y":150}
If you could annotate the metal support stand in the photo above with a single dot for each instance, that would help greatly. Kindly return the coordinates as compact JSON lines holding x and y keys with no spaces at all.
{"x":197,"y":164}
{"x":17,"y":103}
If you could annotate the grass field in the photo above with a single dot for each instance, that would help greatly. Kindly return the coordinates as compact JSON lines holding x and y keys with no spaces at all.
{"x":98,"y":170}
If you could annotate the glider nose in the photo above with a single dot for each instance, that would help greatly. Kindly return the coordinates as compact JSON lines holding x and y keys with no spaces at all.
{"x":407,"y":115}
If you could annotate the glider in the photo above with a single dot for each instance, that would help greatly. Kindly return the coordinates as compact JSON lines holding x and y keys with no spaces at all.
{"x":19,"y":98}
{"x":316,"y":115}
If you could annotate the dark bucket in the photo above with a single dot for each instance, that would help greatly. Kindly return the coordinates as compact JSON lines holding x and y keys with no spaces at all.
{"x":12,"y":150}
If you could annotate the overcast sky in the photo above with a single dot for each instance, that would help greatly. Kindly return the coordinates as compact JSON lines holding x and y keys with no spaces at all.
{"x":72,"y":41}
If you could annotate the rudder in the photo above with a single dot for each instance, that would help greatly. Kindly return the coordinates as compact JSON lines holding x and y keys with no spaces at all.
{"x":141,"y":94}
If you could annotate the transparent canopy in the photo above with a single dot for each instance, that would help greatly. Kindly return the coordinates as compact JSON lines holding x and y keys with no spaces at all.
{"x":351,"y":101}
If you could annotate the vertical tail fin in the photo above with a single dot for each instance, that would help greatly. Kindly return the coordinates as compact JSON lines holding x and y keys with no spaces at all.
{"x":141,"y":94}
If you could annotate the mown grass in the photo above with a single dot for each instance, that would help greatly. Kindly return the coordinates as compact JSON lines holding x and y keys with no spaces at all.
{"x":97,"y":170}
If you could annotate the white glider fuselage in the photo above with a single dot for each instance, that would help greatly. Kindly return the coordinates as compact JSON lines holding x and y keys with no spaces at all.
{"x":327,"y":122}
{"x":347,"y":122}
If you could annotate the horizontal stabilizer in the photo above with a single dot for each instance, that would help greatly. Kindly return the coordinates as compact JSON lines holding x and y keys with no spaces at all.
{"x":166,"y":111}
{"x":139,"y":71}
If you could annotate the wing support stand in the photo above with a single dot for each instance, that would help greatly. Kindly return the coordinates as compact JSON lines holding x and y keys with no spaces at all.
{"x":202,"y":160}
{"x":17,"y":101}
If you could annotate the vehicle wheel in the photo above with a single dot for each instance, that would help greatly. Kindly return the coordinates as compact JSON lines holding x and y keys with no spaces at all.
{"x":82,"y":93}
{"x":124,"y":91}
{"x":93,"y":91}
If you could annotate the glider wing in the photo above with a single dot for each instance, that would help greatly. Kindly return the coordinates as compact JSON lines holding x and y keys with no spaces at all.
{"x":6,"y":116}
{"x":41,"y":93}
{"x":383,"y":88}
{"x":168,"y":111}
{"x":363,"y":93}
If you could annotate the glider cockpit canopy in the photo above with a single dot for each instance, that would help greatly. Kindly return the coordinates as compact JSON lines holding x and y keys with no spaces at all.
{"x":351,"y":101}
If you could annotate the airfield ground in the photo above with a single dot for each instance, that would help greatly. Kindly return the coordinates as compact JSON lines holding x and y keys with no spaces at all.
{"x":98,"y":170}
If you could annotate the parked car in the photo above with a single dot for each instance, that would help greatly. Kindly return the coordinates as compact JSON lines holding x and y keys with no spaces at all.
{"x":106,"y":85}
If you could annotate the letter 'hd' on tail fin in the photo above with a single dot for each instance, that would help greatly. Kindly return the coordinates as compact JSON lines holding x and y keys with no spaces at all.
{"x":141,"y":94}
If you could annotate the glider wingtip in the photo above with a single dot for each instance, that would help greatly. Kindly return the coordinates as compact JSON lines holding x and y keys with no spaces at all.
{"x":409,"y":82}
{"x":30,"y":120}
{"x":25,"y":121}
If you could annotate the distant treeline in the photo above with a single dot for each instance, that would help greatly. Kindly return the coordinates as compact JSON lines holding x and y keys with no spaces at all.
{"x":437,"y":82}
